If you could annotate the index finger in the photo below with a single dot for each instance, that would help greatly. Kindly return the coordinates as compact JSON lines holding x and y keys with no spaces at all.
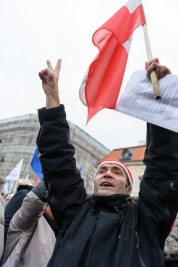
{"x":154,"y":60}
{"x":58,"y":66}
{"x":48,"y":62}
{"x":151,"y":68}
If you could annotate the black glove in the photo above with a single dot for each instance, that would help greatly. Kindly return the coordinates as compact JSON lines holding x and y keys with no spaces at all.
{"x":40,"y":191}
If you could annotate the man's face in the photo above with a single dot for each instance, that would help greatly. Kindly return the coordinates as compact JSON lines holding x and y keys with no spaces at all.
{"x":111,"y":179}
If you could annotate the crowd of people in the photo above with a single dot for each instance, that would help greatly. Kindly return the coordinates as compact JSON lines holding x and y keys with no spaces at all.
{"x":55,"y":223}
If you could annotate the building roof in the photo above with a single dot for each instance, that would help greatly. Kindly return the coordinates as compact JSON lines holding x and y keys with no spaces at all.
{"x":80,"y":132}
{"x":127,"y":154}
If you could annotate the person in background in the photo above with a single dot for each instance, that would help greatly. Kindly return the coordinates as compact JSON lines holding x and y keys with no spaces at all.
{"x":24,"y":187}
{"x":171,"y":247}
{"x":30,"y":239}
{"x":25,"y":184}
{"x":8,"y":198}
{"x":2,"y":181}
{"x":2,"y":191}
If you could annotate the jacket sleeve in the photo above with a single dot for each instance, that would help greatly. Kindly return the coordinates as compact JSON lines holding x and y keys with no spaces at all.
{"x":158,"y":197}
{"x":27,"y":216}
{"x":23,"y":223}
{"x":12,"y":208}
{"x":61,"y":176}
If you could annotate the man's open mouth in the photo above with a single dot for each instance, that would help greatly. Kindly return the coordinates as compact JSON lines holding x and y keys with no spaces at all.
{"x":106,"y":184}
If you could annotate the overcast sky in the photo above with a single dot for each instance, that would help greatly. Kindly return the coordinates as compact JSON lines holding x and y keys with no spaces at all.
{"x":33,"y":31}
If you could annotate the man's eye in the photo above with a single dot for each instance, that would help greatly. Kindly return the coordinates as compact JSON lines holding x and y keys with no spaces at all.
{"x":117,"y":172}
{"x":101,"y":171}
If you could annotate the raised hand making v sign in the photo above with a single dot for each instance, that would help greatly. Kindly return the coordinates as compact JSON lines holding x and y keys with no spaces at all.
{"x":50,"y":77}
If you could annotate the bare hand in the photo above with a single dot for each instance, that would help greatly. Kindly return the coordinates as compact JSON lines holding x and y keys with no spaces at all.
{"x":159,"y":69}
{"x":50,"y":77}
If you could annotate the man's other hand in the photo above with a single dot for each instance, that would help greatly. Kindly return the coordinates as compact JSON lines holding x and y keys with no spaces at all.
{"x":159,"y":69}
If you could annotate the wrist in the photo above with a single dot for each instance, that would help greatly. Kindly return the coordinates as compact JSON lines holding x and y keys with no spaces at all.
{"x":52,"y":102}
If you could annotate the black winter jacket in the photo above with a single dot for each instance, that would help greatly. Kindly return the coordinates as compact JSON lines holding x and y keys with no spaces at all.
{"x":111,"y":231}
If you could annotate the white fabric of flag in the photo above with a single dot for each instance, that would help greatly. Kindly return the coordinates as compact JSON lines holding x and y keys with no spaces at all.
{"x":12,"y":177}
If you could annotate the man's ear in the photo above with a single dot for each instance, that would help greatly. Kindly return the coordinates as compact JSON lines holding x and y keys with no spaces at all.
{"x":128,"y":190}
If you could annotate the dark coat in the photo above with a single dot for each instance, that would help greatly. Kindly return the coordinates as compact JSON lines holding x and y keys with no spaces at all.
{"x":112,"y":231}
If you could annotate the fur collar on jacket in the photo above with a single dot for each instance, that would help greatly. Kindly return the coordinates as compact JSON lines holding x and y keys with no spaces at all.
{"x":114,"y":202}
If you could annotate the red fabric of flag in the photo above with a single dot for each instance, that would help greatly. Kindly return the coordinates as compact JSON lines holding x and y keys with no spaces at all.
{"x":101,"y":86}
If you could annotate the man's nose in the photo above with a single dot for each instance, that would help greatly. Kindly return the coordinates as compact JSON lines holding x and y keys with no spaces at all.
{"x":108,"y":173}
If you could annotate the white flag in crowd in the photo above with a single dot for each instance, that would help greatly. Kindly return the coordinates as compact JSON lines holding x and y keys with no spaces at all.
{"x":12,"y":177}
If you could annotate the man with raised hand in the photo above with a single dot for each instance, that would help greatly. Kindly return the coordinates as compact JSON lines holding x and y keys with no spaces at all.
{"x":108,"y":228}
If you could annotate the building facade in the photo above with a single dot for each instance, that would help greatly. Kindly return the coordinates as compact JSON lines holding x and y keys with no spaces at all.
{"x":18,"y":140}
{"x":132,"y":157}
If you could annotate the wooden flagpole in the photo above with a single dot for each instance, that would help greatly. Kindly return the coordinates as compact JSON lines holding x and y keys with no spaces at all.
{"x":153,"y":76}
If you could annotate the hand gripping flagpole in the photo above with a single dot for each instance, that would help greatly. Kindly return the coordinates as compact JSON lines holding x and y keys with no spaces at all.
{"x":153,"y":76}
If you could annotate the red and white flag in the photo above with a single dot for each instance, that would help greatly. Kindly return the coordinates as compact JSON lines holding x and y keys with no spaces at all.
{"x":101,"y":85}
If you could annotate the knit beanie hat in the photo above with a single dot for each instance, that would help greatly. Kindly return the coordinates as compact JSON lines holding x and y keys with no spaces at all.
{"x":127,"y":171}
